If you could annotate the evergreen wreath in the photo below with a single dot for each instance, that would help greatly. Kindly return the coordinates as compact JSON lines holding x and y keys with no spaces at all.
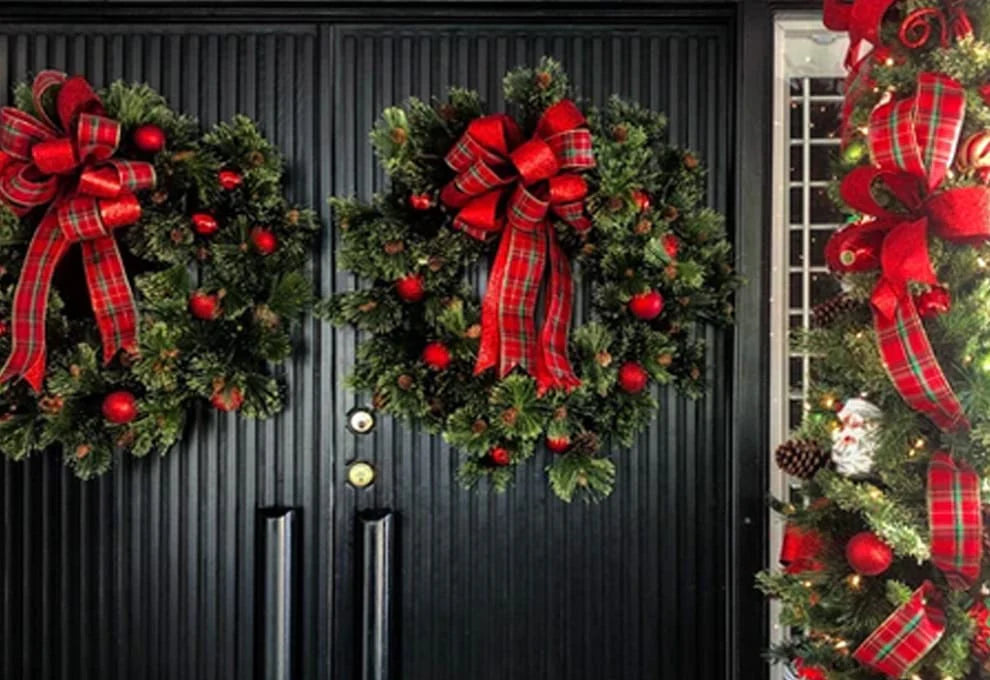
{"x":609,"y":194}
{"x":214,"y":257}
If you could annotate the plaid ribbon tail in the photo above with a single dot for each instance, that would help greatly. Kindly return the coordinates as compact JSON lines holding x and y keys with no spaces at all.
{"x":906,"y":636}
{"x":111,"y":297}
{"x":518,"y":295}
{"x":488,"y":349}
{"x":911,"y":364}
{"x":553,"y":368}
{"x":955,"y":519}
{"x":27,"y":356}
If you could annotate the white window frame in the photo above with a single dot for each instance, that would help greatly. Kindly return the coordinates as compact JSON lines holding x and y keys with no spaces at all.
{"x":803,"y":48}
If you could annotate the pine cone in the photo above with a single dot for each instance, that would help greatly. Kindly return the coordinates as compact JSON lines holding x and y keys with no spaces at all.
{"x":826,"y":313}
{"x":405,"y":382}
{"x":801,"y":458}
{"x":587,"y":443}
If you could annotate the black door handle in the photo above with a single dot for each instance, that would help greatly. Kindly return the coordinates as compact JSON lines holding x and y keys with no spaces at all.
{"x":277,"y":554}
{"x":377,"y":540}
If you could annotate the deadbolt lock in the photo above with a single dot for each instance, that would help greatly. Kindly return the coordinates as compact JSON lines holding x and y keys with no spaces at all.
{"x":360,"y":474}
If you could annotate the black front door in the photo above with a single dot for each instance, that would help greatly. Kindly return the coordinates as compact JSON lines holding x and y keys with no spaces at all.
{"x":149,"y":571}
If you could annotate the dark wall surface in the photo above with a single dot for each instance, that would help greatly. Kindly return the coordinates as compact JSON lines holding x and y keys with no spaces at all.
{"x":149,"y":571}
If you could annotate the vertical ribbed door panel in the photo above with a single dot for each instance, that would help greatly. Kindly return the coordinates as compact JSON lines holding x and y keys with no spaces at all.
{"x":149,"y":571}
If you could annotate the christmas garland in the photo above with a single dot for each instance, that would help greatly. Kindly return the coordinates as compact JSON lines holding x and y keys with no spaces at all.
{"x":534,"y":194}
{"x":884,"y":557}
{"x":192,"y":258}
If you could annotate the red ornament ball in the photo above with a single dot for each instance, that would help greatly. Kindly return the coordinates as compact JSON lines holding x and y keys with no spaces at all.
{"x":264,"y":240}
{"x":420,"y":202}
{"x":3,"y":328}
{"x":500,"y":456}
{"x":805,"y":672}
{"x":204,"y":224}
{"x":671,"y":245}
{"x":646,"y":305}
{"x":230,"y":179}
{"x":632,"y":377}
{"x":933,"y":302}
{"x":227,"y":399}
{"x":868,"y":555}
{"x":436,"y":356}
{"x":410,"y":288}
{"x":120,"y":407}
{"x":559,"y":444}
{"x":641,"y":199}
{"x":149,"y":138}
{"x":854,"y":249}
{"x":204,"y":306}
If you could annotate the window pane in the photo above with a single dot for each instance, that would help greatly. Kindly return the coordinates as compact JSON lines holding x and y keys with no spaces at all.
{"x":825,"y":119}
{"x":796,"y":290}
{"x":818,"y":240}
{"x":797,"y":248}
{"x":822,"y":209}
{"x":797,"y":120}
{"x":797,"y":164}
{"x":796,"y":412}
{"x":823,"y":286}
{"x":796,"y":382}
{"x":827,"y":86}
{"x":821,"y":161}
{"x":796,"y":209}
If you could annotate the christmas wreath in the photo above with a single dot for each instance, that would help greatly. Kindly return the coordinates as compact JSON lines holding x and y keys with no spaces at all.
{"x":546,"y":193}
{"x":191,"y":256}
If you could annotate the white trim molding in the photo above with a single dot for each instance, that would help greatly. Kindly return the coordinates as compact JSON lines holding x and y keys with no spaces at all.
{"x":806,"y":55}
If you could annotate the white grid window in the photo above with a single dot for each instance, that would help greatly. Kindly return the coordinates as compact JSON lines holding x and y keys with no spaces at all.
{"x":808,"y":77}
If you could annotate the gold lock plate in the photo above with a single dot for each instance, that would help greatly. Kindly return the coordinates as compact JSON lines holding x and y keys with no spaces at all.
{"x":360,"y":474}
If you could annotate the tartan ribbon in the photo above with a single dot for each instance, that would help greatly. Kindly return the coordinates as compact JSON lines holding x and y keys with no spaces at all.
{"x":906,"y":635}
{"x":510,"y":186}
{"x":64,"y":163}
{"x":956,"y":520}
{"x":913,"y":142}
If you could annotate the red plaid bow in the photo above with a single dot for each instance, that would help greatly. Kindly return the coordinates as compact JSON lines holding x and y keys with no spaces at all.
{"x":69,"y":168}
{"x":503,"y":183}
{"x":906,"y":636}
{"x":913,"y":142}
{"x":955,"y":519}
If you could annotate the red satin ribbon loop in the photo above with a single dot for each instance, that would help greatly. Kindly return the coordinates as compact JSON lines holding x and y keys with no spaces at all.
{"x":69,"y":168}
{"x":55,"y":156}
{"x":535,"y":161}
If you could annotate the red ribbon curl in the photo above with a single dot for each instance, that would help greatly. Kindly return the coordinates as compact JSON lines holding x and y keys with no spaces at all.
{"x":68,"y":167}
{"x":508,"y":185}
